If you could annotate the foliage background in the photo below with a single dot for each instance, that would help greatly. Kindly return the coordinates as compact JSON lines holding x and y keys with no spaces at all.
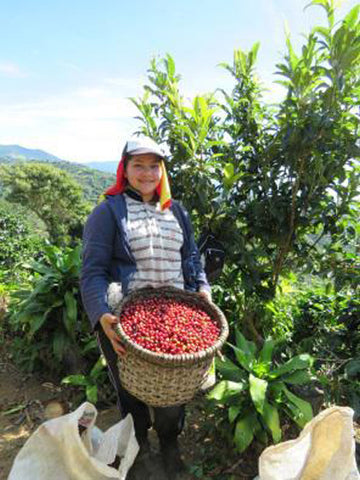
{"x":276,"y":184}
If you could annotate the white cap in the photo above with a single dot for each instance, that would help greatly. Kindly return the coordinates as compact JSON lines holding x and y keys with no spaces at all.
{"x":139,"y":145}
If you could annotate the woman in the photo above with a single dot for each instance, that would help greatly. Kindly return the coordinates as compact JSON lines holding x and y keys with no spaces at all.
{"x":139,"y":237}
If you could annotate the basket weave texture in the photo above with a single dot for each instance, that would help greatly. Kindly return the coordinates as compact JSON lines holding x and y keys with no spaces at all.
{"x":163,"y":380}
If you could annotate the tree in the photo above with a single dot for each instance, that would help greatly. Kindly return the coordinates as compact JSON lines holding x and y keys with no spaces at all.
{"x":50,"y":193}
{"x":17,"y":241}
{"x":269,"y":181}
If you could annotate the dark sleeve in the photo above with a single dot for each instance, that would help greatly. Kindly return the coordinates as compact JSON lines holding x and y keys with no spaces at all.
{"x":98,"y":240}
{"x":194,"y":255}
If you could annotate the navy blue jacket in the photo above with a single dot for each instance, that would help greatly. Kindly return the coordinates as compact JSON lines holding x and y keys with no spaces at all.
{"x":107,"y":256}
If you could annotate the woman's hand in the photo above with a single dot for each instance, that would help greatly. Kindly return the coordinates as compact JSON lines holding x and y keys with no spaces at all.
{"x":108,"y":323}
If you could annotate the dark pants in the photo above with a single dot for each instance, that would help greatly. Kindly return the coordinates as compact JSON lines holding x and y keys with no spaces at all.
{"x":168,"y":421}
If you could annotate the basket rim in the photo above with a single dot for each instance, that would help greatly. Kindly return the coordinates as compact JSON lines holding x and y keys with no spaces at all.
{"x":166,"y":359}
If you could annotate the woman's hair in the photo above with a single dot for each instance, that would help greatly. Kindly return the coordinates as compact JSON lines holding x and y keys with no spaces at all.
{"x":126,"y":158}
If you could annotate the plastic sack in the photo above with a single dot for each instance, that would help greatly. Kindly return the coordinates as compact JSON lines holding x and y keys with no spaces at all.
{"x":56,"y":449}
{"x":325,"y":450}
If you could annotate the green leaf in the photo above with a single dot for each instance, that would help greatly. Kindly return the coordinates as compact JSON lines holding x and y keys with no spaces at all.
{"x":70,"y":313}
{"x":39,"y":267}
{"x":248,"y":347}
{"x":233,"y":413}
{"x":266,"y":352}
{"x":16,"y":409}
{"x":352,"y":17}
{"x":98,"y":367}
{"x":244,"y":432}
{"x":242,"y":358}
{"x":299,"y":377}
{"x":60,"y":344}
{"x":261,"y":435}
{"x":272,"y":421}
{"x":296,"y":363}
{"x":258,"y":389}
{"x":302,"y":414}
{"x":254,"y":50}
{"x":90,"y":345}
{"x":225,"y":390}
{"x":72,"y":260}
{"x":352,"y":368}
{"x":92,"y":393}
{"x":75,"y":380}
{"x":229,"y":371}
{"x":229,"y":171}
{"x":229,"y":177}
{"x":36,"y":322}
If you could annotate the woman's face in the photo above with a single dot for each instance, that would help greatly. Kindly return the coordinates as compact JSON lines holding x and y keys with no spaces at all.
{"x":143,"y":173}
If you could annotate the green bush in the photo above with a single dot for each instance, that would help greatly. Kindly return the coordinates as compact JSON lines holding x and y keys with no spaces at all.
{"x":48,"y":311}
{"x":49,"y":330}
{"x":91,"y":384}
{"x":256,"y":393}
{"x":272,"y":182}
{"x":309,"y":316}
{"x":328,"y":326}
{"x":18,"y":242}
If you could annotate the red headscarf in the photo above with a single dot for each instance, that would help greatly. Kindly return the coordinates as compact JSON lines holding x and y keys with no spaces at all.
{"x":163,"y":189}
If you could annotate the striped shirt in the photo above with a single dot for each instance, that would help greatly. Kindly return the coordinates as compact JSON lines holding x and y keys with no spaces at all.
{"x":155,"y":239}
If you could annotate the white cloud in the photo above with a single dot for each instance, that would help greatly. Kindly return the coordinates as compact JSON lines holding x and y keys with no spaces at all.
{"x":125,"y":82}
{"x":11,"y":70}
{"x":91,"y":92}
{"x":273,"y":93}
{"x":92,"y":122}
{"x":88,"y":124}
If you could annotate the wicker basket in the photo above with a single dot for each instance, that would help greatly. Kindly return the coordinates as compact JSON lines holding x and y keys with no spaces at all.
{"x":163,"y":380}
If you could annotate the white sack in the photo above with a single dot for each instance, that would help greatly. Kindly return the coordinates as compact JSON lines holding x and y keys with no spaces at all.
{"x":325,"y":450}
{"x":56,"y":451}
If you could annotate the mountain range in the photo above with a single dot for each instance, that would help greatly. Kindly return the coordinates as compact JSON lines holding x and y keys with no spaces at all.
{"x":16,"y":152}
{"x":94,"y":177}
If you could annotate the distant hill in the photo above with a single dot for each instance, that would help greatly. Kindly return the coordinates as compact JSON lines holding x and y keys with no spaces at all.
{"x":16,"y":152}
{"x":103,"y":166}
{"x":93,"y":181}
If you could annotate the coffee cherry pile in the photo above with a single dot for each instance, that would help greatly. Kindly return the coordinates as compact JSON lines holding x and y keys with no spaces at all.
{"x":168,"y":326}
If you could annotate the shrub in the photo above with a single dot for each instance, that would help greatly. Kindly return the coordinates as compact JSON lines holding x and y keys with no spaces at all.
{"x":48,"y":312}
{"x":17,"y":240}
{"x":256,"y":393}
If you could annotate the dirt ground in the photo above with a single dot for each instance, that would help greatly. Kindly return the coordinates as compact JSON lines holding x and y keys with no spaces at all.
{"x":27,"y":401}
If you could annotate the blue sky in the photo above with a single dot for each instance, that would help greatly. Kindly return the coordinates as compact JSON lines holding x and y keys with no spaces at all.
{"x":67,"y":68}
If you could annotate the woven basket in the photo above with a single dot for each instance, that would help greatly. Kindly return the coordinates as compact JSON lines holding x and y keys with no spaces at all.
{"x":163,"y":380}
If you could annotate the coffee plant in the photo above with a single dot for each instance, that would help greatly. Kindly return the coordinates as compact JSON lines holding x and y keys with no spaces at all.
{"x":256,"y":393}
{"x":268,"y":181}
{"x":48,"y":311}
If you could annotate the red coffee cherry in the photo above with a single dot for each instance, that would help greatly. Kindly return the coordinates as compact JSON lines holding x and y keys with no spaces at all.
{"x":169,"y":326}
